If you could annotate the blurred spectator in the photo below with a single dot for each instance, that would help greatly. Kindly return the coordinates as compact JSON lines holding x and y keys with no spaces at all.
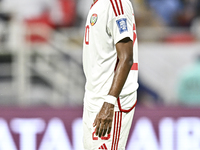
{"x":4,"y":23}
{"x":188,"y":91}
{"x":57,"y":12}
{"x":166,"y":9}
{"x":146,"y":17}
{"x":166,"y":12}
{"x":195,"y":27}
{"x":190,"y":10}
{"x":41,"y":16}
{"x":29,"y":9}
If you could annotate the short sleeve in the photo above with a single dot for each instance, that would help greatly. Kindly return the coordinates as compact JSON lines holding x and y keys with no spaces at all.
{"x":120,"y":23}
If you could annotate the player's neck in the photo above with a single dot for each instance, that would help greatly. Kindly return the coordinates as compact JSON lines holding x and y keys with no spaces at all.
{"x":94,"y":0}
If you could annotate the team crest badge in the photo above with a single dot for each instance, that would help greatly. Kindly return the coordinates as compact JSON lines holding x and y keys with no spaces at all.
{"x":93,"y":19}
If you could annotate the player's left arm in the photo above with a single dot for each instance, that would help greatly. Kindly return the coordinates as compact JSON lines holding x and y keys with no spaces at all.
{"x":121,"y":29}
{"x":103,"y":120}
{"x":125,"y":55}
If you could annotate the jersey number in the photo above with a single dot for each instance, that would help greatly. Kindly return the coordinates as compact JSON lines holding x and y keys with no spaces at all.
{"x":87,"y":34}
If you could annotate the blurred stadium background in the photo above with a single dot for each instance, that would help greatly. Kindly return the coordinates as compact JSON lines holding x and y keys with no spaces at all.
{"x":41,"y":65}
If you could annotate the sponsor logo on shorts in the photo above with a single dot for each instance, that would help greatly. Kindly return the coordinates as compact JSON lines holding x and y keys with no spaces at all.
{"x":103,"y":147}
{"x":122,"y":25}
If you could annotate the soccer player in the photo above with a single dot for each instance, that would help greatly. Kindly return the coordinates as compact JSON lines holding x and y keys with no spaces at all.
{"x":110,"y":63}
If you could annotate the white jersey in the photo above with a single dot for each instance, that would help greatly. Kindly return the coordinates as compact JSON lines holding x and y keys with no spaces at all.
{"x":108,"y":22}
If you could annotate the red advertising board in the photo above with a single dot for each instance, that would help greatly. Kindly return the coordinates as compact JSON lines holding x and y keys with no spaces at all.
{"x":159,"y":128}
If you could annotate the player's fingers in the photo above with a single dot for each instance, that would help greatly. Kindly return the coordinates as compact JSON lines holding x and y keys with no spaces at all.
{"x":102,"y":125}
{"x":105,"y":129}
{"x":97,"y":127}
{"x":100,"y":130}
{"x":109,"y":127}
{"x":95,"y":122}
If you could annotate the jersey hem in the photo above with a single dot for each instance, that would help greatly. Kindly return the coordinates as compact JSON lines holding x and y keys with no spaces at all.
{"x":125,"y":110}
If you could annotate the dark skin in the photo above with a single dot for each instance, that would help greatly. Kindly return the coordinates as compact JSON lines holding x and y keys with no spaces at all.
{"x":103,"y":120}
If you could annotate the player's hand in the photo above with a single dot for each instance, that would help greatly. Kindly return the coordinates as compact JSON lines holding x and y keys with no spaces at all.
{"x":103,"y":120}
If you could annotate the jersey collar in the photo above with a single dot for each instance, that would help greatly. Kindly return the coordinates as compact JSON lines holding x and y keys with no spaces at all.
{"x":93,"y":4}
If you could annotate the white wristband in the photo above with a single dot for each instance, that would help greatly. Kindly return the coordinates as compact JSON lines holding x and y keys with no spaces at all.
{"x":110,"y":99}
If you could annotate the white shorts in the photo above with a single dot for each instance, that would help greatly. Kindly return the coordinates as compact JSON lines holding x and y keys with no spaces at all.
{"x":116,"y":140}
